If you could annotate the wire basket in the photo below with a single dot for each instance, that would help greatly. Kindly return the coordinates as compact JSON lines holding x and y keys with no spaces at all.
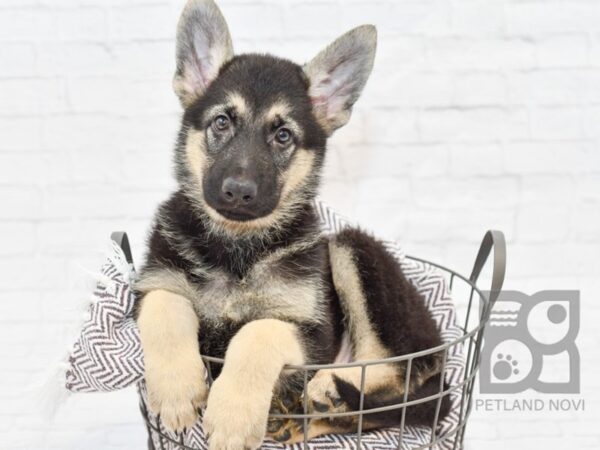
{"x":473,"y":310}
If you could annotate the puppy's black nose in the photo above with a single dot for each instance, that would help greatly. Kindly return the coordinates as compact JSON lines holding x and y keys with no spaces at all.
{"x":238,"y":190}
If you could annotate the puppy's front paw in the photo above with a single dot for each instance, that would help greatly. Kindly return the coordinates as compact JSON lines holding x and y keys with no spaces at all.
{"x":235,"y":418}
{"x":176,"y":389}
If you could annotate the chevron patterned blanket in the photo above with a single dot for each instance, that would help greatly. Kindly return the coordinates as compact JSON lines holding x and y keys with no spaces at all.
{"x":108,"y":356}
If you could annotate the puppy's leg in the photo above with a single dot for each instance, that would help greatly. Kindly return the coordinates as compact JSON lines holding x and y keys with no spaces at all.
{"x":239,"y":399}
{"x":287,"y":399}
{"x":174,"y":370}
{"x":384,"y":317}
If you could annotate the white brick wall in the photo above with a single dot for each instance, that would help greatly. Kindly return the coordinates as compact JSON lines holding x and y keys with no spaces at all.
{"x":479,"y":114}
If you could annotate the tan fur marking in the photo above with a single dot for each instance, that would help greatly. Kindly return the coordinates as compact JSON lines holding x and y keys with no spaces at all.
{"x":299,"y":169}
{"x":173,"y":368}
{"x":196,"y":154}
{"x":281,"y":110}
{"x":239,"y":400}
{"x":316,"y":427}
{"x":347,"y":283}
{"x":278,"y":109}
{"x":237,"y":227}
{"x":261,"y":294}
{"x":168,"y":279}
{"x":238,"y":102}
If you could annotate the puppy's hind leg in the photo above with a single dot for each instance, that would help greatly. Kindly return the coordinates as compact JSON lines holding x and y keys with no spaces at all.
{"x":384,"y":316}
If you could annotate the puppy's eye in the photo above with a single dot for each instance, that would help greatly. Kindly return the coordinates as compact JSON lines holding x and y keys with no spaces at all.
{"x":283,"y":136}
{"x":221,"y":122}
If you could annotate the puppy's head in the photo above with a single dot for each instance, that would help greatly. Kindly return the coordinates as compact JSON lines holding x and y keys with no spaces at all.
{"x":254,"y":129}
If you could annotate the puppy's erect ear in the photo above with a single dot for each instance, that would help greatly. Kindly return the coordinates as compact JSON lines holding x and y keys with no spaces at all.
{"x":203,"y":46}
{"x":338,"y":74}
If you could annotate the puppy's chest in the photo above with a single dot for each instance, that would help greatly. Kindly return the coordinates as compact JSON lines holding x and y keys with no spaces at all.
{"x":261,"y":294}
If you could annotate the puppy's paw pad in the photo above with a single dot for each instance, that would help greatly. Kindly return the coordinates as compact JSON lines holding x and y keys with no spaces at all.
{"x":323,"y":395}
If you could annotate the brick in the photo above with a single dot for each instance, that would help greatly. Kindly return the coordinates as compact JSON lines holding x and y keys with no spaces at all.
{"x":429,"y":18}
{"x":477,"y":124}
{"x":18,"y":238}
{"x":562,"y":51}
{"x":458,"y":227}
{"x":20,"y":134}
{"x":554,"y":87}
{"x":19,"y":307}
{"x":18,"y":59}
{"x":466,"y":193}
{"x":480,"y":88}
{"x":419,"y":89}
{"x":38,"y":169}
{"x":533,"y":18}
{"x":530,"y":157}
{"x":548,"y":190}
{"x":425,"y":160}
{"x":542,"y":224}
{"x":385,"y":127}
{"x":557,"y":123}
{"x":122,"y":96}
{"x":354,"y":14}
{"x":22,"y":272}
{"x":554,"y":259}
{"x":480,"y":159}
{"x":157,"y":170}
{"x":32,"y":96}
{"x":69,"y":237}
{"x":28,"y":24}
{"x":75,"y":59}
{"x":20,"y":203}
{"x":309,"y":19}
{"x":149,"y":22}
{"x":83,"y":201}
{"x":267,"y":20}
{"x":592,"y":119}
{"x":588,"y":189}
{"x":406,"y":52}
{"x":481,"y":54}
{"x":375,"y":197}
{"x":82,"y":24}
{"x":478,"y":18}
{"x":141,"y":58}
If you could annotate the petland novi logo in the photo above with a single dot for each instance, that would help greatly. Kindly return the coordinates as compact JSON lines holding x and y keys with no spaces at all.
{"x":529,"y":343}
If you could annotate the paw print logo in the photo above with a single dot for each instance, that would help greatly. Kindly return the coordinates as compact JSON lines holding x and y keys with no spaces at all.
{"x":505,"y":367}
{"x":529,"y":343}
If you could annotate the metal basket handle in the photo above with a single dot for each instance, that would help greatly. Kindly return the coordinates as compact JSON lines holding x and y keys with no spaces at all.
{"x":493,"y":239}
{"x":120,"y":237}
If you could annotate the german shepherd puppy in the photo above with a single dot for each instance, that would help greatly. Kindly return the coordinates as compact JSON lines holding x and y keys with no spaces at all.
{"x":237,"y":267}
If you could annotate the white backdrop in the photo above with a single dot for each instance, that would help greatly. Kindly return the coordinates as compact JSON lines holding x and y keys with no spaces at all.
{"x":479,"y":114}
